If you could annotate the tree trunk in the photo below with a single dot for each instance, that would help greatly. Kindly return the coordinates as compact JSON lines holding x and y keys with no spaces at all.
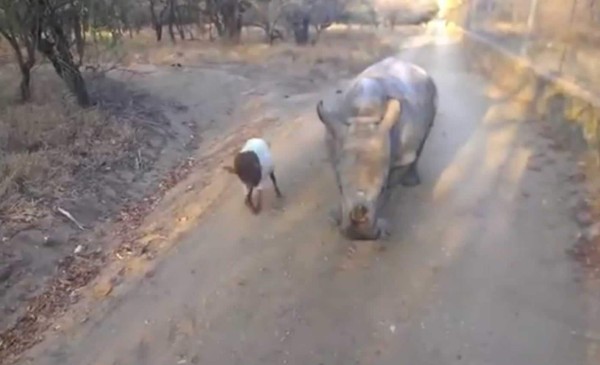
{"x":233,"y":29}
{"x":79,"y":37}
{"x":219,"y":27}
{"x":64,"y":66}
{"x":211,"y":36}
{"x":115,"y":36}
{"x":181,"y":31}
{"x":269,"y":37}
{"x":301,"y":31}
{"x":172,"y":33}
{"x":156,"y":23}
{"x":172,"y":20}
{"x":232,"y":21}
{"x":25,"y":65}
{"x":180,"y":24}
{"x":159,"y":30}
{"x":25,"y":86}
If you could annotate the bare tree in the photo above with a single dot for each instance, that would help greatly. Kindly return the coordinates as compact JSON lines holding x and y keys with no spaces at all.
{"x":157,"y":7}
{"x":324,"y":13}
{"x":227,"y":15}
{"x":54,"y":44}
{"x":57,"y":29}
{"x":266,"y":14}
{"x":319,"y":14}
{"x":358,"y":12}
{"x":402,"y":12}
{"x":20,"y":27}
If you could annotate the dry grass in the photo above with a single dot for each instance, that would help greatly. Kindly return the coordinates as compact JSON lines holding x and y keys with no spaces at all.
{"x":44,"y":144}
{"x":336,"y":44}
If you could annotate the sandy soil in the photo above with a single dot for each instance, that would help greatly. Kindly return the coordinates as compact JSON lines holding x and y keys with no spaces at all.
{"x":186,"y":120}
{"x":476,"y":271}
{"x":92,"y":165}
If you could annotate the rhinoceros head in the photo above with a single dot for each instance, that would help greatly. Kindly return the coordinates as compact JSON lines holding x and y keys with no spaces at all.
{"x":360,"y":151}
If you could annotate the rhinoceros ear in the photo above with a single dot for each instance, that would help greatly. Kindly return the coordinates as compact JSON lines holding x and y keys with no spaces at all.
{"x":321,"y":113}
{"x":332,"y":125}
{"x":392,"y":112}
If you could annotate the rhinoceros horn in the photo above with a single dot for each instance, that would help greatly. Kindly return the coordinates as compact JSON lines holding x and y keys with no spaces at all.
{"x":390,"y":117}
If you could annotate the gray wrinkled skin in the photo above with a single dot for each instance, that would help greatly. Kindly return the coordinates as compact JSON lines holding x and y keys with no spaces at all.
{"x":375,"y":132}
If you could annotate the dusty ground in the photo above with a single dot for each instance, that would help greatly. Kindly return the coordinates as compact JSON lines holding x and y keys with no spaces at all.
{"x":477,"y":270}
{"x":154,"y":125}
{"x":88,"y":162}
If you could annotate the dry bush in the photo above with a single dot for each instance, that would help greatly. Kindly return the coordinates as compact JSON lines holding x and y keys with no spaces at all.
{"x":45,"y":144}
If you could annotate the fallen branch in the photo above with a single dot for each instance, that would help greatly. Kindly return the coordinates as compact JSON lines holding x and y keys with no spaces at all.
{"x":70,"y":217}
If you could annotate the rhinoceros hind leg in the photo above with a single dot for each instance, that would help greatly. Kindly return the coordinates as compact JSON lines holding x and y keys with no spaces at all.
{"x":396,"y":175}
{"x":411,"y":178}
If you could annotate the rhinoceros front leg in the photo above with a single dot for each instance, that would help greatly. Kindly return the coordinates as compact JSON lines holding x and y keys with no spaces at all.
{"x":407,"y":175}
{"x":411,"y":177}
{"x":396,"y":176}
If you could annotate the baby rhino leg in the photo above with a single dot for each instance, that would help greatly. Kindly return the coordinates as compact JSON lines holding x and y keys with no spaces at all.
{"x":274,"y":181}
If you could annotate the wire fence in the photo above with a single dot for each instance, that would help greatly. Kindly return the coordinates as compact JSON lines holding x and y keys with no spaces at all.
{"x":561,"y":37}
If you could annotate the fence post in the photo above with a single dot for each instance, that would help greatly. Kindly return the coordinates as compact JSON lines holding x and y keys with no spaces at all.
{"x":567,"y":46}
{"x":471,"y":14}
{"x":531,"y":17}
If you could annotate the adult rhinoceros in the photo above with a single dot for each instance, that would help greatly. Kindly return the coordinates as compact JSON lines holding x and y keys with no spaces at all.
{"x":375,"y":133}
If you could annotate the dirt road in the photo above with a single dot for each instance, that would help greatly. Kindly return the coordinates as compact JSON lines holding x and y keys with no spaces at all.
{"x":476,"y":271}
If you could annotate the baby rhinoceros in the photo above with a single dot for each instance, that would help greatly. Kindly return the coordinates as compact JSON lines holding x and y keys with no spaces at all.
{"x":252,"y":165}
{"x":375,"y":133}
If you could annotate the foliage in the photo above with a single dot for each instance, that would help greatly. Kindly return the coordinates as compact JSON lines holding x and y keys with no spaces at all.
{"x":62,"y":30}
